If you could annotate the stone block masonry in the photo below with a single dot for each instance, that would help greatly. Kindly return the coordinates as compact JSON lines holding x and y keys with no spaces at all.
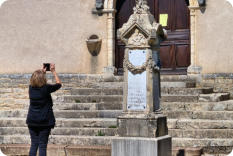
{"x":220,"y":82}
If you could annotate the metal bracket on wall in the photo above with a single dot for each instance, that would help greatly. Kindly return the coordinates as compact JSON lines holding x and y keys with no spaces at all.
{"x":202,"y":2}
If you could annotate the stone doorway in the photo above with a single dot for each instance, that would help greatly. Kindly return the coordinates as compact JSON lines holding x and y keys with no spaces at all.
{"x":175,"y":52}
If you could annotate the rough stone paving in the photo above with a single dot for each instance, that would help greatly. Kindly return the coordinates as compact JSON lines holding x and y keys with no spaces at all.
{"x":87,"y":106}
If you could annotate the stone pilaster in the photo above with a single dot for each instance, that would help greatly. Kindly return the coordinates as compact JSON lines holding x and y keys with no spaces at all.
{"x":194,"y":68}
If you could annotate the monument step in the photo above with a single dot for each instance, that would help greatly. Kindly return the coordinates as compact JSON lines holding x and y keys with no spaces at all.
{"x":214,"y":97}
{"x":210,"y":142}
{"x":97,"y":91}
{"x":60,"y":140}
{"x":185,"y":91}
{"x":198,"y":106}
{"x":63,"y":122}
{"x":191,"y":124}
{"x":201,"y":133}
{"x":62,"y":131}
{"x":92,"y":98}
{"x":57,"y":150}
{"x":211,"y":115}
{"x":67,"y":113}
{"x":179,"y":98}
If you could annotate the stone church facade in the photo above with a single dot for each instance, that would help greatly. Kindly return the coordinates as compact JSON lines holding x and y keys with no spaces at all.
{"x":34,"y":32}
{"x":80,"y":37}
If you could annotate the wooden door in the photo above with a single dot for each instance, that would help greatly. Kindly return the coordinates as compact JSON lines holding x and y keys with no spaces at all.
{"x":175,"y":51}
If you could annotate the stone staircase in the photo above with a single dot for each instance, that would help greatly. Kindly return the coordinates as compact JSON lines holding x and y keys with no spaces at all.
{"x":197,"y":117}
{"x":87,"y":106}
{"x":85,"y":114}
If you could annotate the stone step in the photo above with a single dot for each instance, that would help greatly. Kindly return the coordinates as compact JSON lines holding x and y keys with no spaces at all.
{"x":190,"y":124}
{"x":60,"y":140}
{"x":62,"y":122}
{"x":97,"y":91}
{"x":175,"y":78}
{"x":119,"y":91}
{"x":178,"y":84}
{"x":57,"y":150}
{"x":185,"y":91}
{"x":84,"y":106}
{"x":67,"y":113}
{"x":62,"y":131}
{"x":210,"y":142}
{"x":199,"y":106}
{"x":92,"y":98}
{"x":201,"y":133}
{"x":179,"y":98}
{"x":211,"y":115}
{"x":214,"y":97}
{"x":94,"y":85}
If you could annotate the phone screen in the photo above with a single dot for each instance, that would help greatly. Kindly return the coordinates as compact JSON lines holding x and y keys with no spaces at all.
{"x":47,"y":66}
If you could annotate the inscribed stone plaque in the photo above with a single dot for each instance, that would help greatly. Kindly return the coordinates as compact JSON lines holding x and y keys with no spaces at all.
{"x":136,"y":99}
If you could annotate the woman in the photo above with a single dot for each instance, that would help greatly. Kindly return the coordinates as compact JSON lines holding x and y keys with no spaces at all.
{"x":40,"y":118}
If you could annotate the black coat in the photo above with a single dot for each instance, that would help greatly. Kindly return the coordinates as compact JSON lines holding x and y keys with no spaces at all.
{"x":40,"y":111}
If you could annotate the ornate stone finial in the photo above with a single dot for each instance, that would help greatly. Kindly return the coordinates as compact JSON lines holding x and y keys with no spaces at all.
{"x":141,"y":7}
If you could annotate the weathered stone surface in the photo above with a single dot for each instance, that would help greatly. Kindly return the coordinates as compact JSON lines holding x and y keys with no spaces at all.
{"x":58,"y":150}
{"x":85,"y":131}
{"x":136,"y":126}
{"x":134,"y":146}
{"x":97,"y":91}
{"x":201,"y":133}
{"x":179,"y":98}
{"x":93,"y":98}
{"x":185,"y":91}
{"x":214,"y":97}
{"x":192,"y":142}
{"x":96,"y":122}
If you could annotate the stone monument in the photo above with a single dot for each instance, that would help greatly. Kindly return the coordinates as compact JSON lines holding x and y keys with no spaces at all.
{"x":142,"y":127}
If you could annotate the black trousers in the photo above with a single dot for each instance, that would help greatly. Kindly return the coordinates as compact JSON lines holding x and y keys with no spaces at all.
{"x":39,"y":138}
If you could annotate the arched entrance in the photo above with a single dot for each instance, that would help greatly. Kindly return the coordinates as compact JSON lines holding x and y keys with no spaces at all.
{"x":175,"y":16}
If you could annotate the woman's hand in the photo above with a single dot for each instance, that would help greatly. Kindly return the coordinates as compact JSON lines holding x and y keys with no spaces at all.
{"x":52,"y":67}
{"x":44,"y":69}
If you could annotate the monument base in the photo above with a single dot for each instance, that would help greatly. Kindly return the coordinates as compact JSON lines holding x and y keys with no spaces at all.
{"x":142,"y":125}
{"x":136,"y":146}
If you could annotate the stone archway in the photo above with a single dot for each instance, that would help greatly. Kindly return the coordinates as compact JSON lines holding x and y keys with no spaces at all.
{"x":193,"y":6}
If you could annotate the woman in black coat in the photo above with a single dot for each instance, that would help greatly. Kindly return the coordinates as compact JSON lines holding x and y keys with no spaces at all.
{"x":40,"y":118}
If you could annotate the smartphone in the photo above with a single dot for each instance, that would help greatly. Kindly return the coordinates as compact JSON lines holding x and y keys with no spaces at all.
{"x":47,"y":66}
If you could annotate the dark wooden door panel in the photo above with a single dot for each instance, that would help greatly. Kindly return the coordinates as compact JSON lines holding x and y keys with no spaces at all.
{"x":182,"y":56}
{"x":181,"y":15}
{"x":166,"y":51}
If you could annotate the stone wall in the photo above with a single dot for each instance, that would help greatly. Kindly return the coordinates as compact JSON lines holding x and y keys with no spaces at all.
{"x":39,"y":31}
{"x":215,"y":37}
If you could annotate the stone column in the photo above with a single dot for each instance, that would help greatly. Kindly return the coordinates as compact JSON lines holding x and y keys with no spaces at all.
{"x":193,"y":68}
{"x":110,"y":41}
